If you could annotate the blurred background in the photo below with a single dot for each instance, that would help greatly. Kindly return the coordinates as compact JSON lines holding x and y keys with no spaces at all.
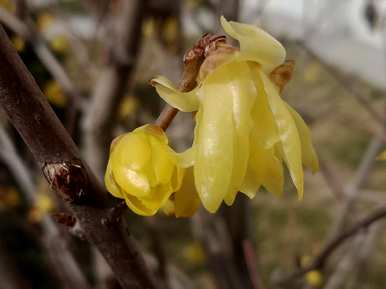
{"x":93,"y":61}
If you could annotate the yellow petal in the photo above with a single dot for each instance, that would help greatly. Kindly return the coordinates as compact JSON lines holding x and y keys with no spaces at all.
{"x":288,"y":133}
{"x":158,"y":197}
{"x":137,"y":206}
{"x":187,"y":158}
{"x":265,"y":129}
{"x":272,"y":176}
{"x":241,"y":88}
{"x":151,"y":130}
{"x":265,"y":168}
{"x":251,"y":183}
{"x":214,"y":143}
{"x":163,"y":163}
{"x":132,"y":151}
{"x":110,"y":183}
{"x":184,"y":101}
{"x":310,"y":159}
{"x":256,"y":44}
{"x":186,"y":200}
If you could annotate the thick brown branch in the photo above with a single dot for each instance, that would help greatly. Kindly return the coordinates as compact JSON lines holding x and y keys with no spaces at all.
{"x":334,"y":244}
{"x":30,"y":113}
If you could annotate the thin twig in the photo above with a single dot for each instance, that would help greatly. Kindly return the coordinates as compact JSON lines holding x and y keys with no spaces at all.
{"x":342,"y":82}
{"x":251,"y":260}
{"x":334,"y":244}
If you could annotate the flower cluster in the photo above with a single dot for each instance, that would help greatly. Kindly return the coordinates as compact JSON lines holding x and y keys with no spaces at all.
{"x":245,"y":132}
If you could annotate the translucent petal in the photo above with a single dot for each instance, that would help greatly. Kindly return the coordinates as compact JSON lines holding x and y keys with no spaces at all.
{"x":288,"y":133}
{"x":131,"y":151}
{"x":243,"y":92}
{"x":137,"y":206}
{"x":214,"y":142}
{"x":265,"y":167}
{"x":153,"y":131}
{"x":158,"y":197}
{"x":251,"y":183}
{"x":186,"y":200}
{"x":184,"y":101}
{"x":162,"y":161}
{"x":265,"y":129}
{"x":187,"y":158}
{"x":256,"y":44}
{"x":310,"y":159}
{"x":273,"y":176}
{"x":133,"y":182}
{"x":177,"y":178}
{"x":110,"y":183}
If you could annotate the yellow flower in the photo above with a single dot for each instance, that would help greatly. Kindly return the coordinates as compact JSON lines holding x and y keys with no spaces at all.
{"x":143,"y":170}
{"x":44,"y":21}
{"x":314,"y":278}
{"x":54,"y":93}
{"x":59,"y":44}
{"x":43,"y":205}
{"x":18,"y":43}
{"x":244,"y":130}
{"x":8,"y":5}
{"x":382,"y":156}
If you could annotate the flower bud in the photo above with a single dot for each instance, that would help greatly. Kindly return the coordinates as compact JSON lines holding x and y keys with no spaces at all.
{"x":143,"y":170}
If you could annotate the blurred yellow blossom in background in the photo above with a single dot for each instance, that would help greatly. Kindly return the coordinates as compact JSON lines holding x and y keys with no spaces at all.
{"x":9,"y":197}
{"x":43,"y":205}
{"x":59,"y":44}
{"x":314,"y":278}
{"x":18,"y":43}
{"x":382,"y":156}
{"x":8,"y":5}
{"x":54,"y":93}
{"x":194,"y":253}
{"x":44,"y":21}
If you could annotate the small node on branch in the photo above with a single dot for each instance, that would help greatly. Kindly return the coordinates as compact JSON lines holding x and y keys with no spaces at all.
{"x":64,"y":219}
{"x":68,"y":178}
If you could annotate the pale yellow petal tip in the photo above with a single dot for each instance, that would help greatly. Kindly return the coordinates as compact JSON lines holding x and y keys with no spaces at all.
{"x":255,"y":44}
{"x":300,"y":194}
{"x":315,"y":166}
{"x":160,"y":80}
{"x":382,"y":156}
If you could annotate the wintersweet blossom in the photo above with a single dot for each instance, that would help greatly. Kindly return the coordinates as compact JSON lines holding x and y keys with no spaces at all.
{"x":142,"y":170}
{"x":244,"y":131}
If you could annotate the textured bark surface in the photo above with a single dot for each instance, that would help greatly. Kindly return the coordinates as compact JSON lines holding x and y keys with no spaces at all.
{"x":55,"y":152}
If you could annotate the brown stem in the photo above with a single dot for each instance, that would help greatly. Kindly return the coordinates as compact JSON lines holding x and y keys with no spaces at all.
{"x":57,"y":155}
{"x":193,"y":59}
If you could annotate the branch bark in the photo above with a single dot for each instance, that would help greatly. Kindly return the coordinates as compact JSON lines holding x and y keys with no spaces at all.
{"x":58,"y":157}
{"x":65,"y":266}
